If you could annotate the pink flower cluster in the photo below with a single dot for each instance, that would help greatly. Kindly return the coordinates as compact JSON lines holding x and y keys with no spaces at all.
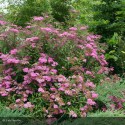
{"x":42,"y":74}
{"x":2,"y":22}
{"x":38,"y":18}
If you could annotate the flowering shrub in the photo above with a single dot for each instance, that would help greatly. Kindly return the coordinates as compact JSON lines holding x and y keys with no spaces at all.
{"x":50,"y":69}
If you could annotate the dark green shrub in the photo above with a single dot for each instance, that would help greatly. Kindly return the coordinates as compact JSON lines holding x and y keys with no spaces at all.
{"x":61,"y":10}
{"x":20,"y":13}
{"x":109,"y":18}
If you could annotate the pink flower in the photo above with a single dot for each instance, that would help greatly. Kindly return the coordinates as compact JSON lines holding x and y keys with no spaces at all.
{"x":28,"y":27}
{"x":33,"y":45}
{"x":73,"y":28}
{"x":4,"y":94}
{"x":38,"y":18}
{"x":47,"y":78}
{"x":14,"y":30}
{"x":27,"y":91}
{"x":12,"y":60}
{"x":61,"y":89}
{"x":82,"y":109}
{"x":41,"y":90}
{"x":112,"y":106}
{"x":55,"y":106}
{"x":34,"y":74}
{"x":53,"y":71}
{"x":94,"y":95}
{"x":80,"y":78}
{"x":53,"y":89}
{"x":9,"y":89}
{"x":18,"y":100}
{"x":28,"y":105}
{"x":72,"y":114}
{"x":83,"y":114}
{"x":60,"y":111}
{"x":13,"y":52}
{"x":8,"y":71}
{"x":39,"y":80}
{"x":89,"y":38}
{"x":50,"y":60}
{"x":25,"y":95}
{"x":89,"y":46}
{"x":7,"y":82}
{"x":2,"y":22}
{"x":88,"y":73}
{"x":24,"y":99}
{"x":68,"y":103}
{"x":80,"y":46}
{"x":94,"y":54}
{"x":53,"y":96}
{"x":90,"y":84}
{"x":46,"y":29}
{"x":32,"y":39}
{"x":42,"y":60}
{"x":90,"y":102}
{"x":7,"y":77}
{"x":61,"y":78}
{"x":54,"y":64}
{"x":83,"y":28}
{"x":68,"y":92}
{"x":25,"y":70}
{"x":66,"y":84}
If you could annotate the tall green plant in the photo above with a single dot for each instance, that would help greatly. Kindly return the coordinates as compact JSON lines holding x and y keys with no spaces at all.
{"x":61,"y":10}
{"x":109,"y":18}
{"x":21,"y":12}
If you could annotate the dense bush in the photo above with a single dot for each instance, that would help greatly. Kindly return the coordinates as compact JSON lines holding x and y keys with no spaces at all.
{"x":108,"y":21}
{"x":61,"y":10}
{"x":112,"y":21}
{"x":21,"y":12}
{"x":50,"y":71}
{"x":84,"y":11}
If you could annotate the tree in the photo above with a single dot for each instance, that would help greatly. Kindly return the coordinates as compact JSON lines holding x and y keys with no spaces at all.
{"x":60,"y":10}
{"x":108,"y":18}
{"x":21,"y":12}
{"x":109,"y":22}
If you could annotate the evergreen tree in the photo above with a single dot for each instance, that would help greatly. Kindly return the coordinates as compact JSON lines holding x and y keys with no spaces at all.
{"x":109,"y":18}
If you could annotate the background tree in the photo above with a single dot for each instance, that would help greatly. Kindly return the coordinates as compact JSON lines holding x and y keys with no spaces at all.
{"x":109,"y":22}
{"x":21,"y":12}
{"x":60,"y":10}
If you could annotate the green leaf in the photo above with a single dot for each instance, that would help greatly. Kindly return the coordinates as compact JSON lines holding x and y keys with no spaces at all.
{"x":123,"y":52}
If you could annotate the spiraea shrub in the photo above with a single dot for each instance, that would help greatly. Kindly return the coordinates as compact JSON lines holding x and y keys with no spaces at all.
{"x":50,"y":71}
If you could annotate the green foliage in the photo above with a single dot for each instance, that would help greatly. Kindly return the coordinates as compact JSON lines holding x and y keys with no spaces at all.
{"x":116,"y":55}
{"x":108,"y":21}
{"x":60,"y":10}
{"x":5,"y":112}
{"x":106,"y":18}
{"x":84,"y":11}
{"x":110,"y":89}
{"x":21,"y":13}
{"x":107,"y":113}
